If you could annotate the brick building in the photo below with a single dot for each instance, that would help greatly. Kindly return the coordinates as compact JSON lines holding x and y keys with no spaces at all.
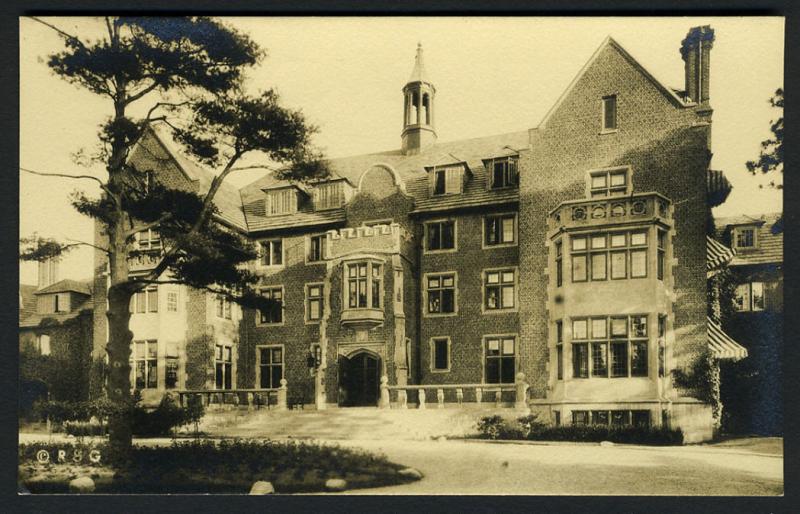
{"x":573,"y":252}
{"x":55,"y":338}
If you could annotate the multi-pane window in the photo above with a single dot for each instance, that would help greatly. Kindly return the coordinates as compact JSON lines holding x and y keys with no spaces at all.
{"x":610,"y":112}
{"x":274,"y":313}
{"x":504,"y":172}
{"x":559,"y":264}
{"x":172,"y":301}
{"x":608,"y":182}
{"x":441,"y":235}
{"x":148,"y":239}
{"x":283,"y":201}
{"x":500,"y":229}
{"x":749,"y":297}
{"x":745,"y":238}
{"x":314,"y":302}
{"x":272,"y":252}
{"x":662,"y":246}
{"x":364,"y":285}
{"x":447,"y":180}
{"x":223,"y":366}
{"x":270,"y":365}
{"x":328,"y":195}
{"x":441,"y":290}
{"x":499,"y":289}
{"x":610,"y":346}
{"x":223,"y":307}
{"x":171,"y":365}
{"x":559,"y":350}
{"x":440,"y":354}
{"x":612,"y":417}
{"x":145,"y":357}
{"x":617,"y":255}
{"x":500,"y":360}
{"x":145,"y":300}
{"x":316,"y":248}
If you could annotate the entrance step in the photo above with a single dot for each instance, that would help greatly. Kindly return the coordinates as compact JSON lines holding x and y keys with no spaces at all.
{"x":349,"y":423}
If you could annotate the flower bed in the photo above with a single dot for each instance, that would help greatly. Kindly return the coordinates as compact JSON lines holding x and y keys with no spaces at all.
{"x":205,"y":467}
{"x":528,"y":428}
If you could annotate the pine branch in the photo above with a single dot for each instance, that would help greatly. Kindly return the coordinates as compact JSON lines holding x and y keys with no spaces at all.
{"x":149,"y":225}
{"x":62,"y":175}
{"x":61,"y":32}
{"x":77,"y":242}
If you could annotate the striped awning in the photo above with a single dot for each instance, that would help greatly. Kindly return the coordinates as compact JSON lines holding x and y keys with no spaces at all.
{"x":721,"y":344}
{"x":717,"y":254}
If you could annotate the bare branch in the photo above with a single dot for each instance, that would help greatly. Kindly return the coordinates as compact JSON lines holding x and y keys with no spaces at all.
{"x":136,"y":96}
{"x":164,"y":104}
{"x":61,"y":32}
{"x":63,"y":175}
{"x":255,"y":167}
{"x":77,"y":242}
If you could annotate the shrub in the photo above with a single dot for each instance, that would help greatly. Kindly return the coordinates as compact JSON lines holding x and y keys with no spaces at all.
{"x":160,"y":421}
{"x":528,"y":427}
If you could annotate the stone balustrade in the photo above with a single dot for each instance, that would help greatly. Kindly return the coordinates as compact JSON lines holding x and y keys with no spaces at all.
{"x":254,"y":398}
{"x":454,"y":394}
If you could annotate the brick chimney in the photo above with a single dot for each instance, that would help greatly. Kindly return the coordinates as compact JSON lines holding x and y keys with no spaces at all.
{"x":696,"y":54}
{"x":48,"y":272}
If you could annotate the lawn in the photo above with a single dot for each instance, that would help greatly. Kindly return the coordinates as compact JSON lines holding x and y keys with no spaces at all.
{"x":201,"y":467}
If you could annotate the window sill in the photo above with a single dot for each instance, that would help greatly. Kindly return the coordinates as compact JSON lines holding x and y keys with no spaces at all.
{"x":499,"y":245}
{"x":608,"y":131}
{"x":267,"y":325}
{"x":500,"y":311}
{"x":434,"y":252}
{"x":439,"y":314}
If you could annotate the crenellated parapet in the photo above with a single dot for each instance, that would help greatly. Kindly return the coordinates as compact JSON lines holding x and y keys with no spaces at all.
{"x":367,"y":239}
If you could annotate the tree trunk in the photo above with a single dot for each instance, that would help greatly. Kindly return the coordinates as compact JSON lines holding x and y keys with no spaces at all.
{"x":119,"y":382}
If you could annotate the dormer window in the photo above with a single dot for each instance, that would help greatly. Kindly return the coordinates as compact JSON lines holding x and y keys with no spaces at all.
{"x":744,"y":237}
{"x":328,"y":195}
{"x":504,"y":172}
{"x":609,"y":182}
{"x":281,"y":201}
{"x":447,"y":180}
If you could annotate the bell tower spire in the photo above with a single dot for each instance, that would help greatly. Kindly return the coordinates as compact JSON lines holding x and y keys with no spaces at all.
{"x":418,"y":96}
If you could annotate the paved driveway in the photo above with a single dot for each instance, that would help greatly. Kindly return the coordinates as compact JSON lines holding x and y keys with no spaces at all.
{"x":468,"y":467}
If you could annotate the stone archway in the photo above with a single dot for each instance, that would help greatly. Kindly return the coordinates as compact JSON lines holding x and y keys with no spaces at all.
{"x":359,"y":379}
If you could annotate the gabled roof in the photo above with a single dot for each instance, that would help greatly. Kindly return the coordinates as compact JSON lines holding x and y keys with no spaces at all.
{"x":67,"y":285}
{"x":227,"y":199}
{"x":769,"y":238}
{"x":609,"y":42}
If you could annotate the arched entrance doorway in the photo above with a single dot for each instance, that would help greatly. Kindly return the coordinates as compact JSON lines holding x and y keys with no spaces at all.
{"x":359,"y":376}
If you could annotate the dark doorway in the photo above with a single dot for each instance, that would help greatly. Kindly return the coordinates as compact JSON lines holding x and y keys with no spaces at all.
{"x":359,"y":377}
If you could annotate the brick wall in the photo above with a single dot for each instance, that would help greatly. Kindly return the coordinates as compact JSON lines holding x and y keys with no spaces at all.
{"x":467,"y":327}
{"x":667,"y":150}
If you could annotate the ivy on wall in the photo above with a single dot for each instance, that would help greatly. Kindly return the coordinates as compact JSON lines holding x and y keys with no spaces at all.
{"x":199,"y":361}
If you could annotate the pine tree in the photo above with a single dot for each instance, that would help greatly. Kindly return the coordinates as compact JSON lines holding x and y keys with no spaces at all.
{"x":185,"y":73}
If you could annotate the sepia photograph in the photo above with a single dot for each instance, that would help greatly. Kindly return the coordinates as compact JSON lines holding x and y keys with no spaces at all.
{"x":401,"y":255}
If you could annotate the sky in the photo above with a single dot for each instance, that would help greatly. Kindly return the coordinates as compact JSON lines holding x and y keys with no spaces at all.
{"x":492,"y":76}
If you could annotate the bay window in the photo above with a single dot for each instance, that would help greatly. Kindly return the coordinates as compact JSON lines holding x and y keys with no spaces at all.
{"x":364,"y":285}
{"x":613,"y":347}
{"x":617,"y":255}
